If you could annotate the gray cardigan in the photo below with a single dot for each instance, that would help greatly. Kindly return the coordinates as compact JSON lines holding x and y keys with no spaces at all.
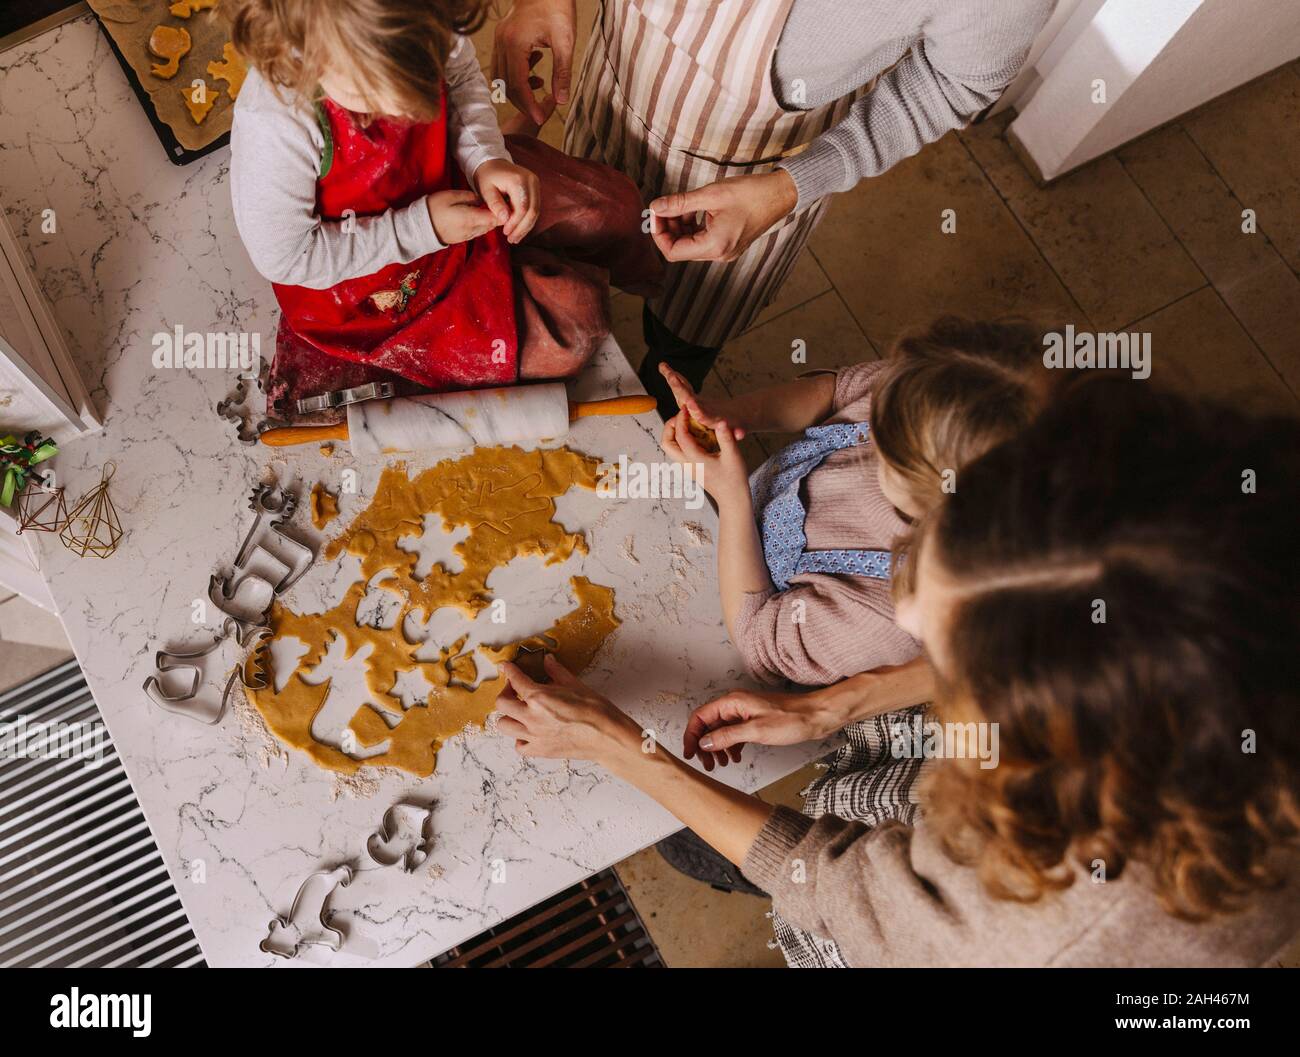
{"x":940,"y":63}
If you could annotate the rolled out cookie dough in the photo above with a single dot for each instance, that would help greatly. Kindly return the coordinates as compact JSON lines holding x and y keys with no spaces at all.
{"x":506,"y":496}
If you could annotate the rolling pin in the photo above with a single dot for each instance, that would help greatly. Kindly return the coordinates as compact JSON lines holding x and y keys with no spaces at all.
{"x":458,"y":420}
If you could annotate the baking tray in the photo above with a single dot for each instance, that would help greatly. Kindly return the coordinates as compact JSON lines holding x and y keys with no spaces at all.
{"x":177,"y":153}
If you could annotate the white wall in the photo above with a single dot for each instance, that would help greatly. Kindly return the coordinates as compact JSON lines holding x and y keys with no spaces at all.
{"x":1158,"y":58}
{"x":1066,"y":23}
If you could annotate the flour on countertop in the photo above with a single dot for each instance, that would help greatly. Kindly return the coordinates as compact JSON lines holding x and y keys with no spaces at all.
{"x":358,"y":786}
{"x":627,"y":551}
{"x":700,"y":536}
{"x":253,"y":731}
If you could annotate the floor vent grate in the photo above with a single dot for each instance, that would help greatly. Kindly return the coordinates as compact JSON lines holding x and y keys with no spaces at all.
{"x":592,"y":925}
{"x":81,"y":881}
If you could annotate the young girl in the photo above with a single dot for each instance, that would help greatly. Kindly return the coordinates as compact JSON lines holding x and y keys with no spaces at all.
{"x":373,"y":187}
{"x":804,"y":552}
{"x":804,"y":558}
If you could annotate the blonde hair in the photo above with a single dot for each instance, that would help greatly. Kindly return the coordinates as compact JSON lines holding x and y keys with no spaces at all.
{"x":396,"y":50}
{"x":953,"y":391}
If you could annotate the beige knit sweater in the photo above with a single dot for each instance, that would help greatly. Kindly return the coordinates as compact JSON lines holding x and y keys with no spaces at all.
{"x":846,"y":623}
{"x":890,"y":897}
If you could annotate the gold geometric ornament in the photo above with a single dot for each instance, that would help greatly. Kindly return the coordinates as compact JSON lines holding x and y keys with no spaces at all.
{"x":41,"y":507}
{"x":93,"y":526}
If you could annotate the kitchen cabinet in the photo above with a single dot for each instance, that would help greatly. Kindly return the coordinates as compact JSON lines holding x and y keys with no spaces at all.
{"x":40,"y":389}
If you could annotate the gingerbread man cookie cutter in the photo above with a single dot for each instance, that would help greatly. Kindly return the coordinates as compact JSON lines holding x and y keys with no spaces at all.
{"x":235,"y":410}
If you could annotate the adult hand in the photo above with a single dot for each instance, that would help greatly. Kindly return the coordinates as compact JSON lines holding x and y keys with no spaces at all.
{"x":564,"y":719}
{"x":718,"y":730}
{"x":736,"y":211}
{"x":720,"y":727}
{"x":517,"y":44}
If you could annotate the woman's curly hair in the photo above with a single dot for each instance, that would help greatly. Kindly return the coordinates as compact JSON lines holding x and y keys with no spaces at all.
{"x":1124,"y":576}
{"x":396,"y":49}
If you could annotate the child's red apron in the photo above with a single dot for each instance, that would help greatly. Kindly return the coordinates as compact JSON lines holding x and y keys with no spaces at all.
{"x":446,"y":320}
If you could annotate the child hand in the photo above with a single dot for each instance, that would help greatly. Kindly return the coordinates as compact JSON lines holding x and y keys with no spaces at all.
{"x":458,"y":216}
{"x":512,"y":193}
{"x":707,"y":411}
{"x":723,"y":475}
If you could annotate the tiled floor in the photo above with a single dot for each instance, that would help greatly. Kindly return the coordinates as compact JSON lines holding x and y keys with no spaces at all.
{"x":31,"y":641}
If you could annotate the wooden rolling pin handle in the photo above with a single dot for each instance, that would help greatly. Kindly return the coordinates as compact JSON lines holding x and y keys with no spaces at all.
{"x":286,"y":436}
{"x":615,"y":405}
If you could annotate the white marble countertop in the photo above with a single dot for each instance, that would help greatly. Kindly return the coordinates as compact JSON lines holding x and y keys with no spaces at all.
{"x":142,"y":246}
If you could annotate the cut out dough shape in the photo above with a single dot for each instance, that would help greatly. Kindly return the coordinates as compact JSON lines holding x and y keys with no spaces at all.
{"x":185,"y":8}
{"x":506,"y":496}
{"x":171,"y":44}
{"x":704,"y":436}
{"x":231,"y":68}
{"x":324,"y":507}
{"x":198,"y":111}
{"x":463,"y":669}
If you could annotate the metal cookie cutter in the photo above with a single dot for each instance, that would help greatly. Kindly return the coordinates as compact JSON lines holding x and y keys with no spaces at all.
{"x":380,"y":844}
{"x":339,"y":877}
{"x":203,"y":712}
{"x":531,"y":660}
{"x":234,"y":409}
{"x":340,"y":397}
{"x":277,"y":505}
{"x":272,"y":506}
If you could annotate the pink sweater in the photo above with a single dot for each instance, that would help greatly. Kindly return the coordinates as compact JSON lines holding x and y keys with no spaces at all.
{"x":847,"y":622}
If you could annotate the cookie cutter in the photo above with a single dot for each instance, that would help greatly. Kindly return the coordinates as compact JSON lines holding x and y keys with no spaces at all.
{"x":331,"y":938}
{"x":272,"y":506}
{"x":531,"y":660}
{"x":341,"y":397}
{"x":175,"y":661}
{"x":234,"y":408}
{"x":409,"y":858}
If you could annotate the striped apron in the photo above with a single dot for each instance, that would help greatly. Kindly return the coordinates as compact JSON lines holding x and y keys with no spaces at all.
{"x":678,"y":94}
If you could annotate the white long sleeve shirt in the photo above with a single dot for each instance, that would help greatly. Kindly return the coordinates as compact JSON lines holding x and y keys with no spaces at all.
{"x":276,"y":147}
